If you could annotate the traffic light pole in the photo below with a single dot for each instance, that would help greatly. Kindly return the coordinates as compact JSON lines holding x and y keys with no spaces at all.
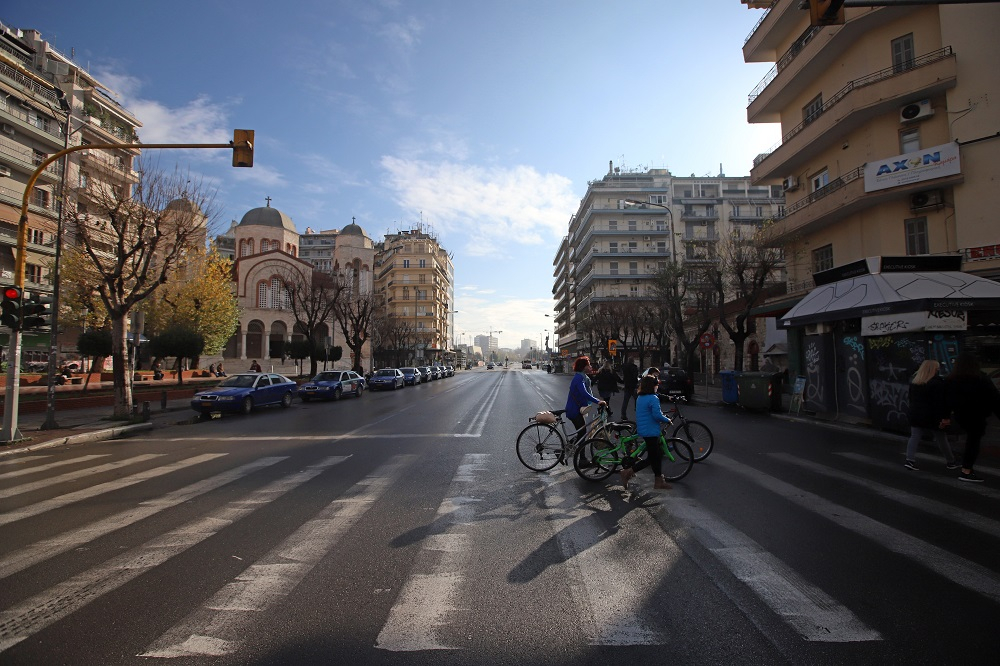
{"x":242,"y":147}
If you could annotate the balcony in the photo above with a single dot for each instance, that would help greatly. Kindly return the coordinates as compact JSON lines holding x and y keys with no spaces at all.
{"x":705,"y":235}
{"x":854,"y":106}
{"x":767,"y":35}
{"x":26,"y":160}
{"x":698,"y":217}
{"x":47,"y":130}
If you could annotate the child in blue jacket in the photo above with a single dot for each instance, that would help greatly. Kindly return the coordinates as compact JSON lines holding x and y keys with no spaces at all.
{"x":648,"y":418}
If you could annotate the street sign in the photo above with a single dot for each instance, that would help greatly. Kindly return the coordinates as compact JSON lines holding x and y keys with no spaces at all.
{"x":706,"y":341}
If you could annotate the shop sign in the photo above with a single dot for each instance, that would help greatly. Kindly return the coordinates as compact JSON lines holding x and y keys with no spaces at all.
{"x":915,"y":322}
{"x":915,"y":167}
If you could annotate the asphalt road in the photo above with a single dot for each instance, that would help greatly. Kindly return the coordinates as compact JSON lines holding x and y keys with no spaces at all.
{"x":399,"y":528}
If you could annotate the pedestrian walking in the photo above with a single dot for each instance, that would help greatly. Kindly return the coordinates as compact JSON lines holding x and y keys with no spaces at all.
{"x":648,"y":417}
{"x":630,"y":382}
{"x":972,"y":397}
{"x":607,"y":382}
{"x":929,"y":414}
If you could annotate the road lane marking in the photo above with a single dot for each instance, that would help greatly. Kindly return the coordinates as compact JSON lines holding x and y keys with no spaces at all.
{"x":426,"y":601}
{"x":811,"y":612}
{"x":948,"y":565}
{"x":93,"y":491}
{"x":24,"y":460}
{"x":77,"y":475}
{"x":49,"y":466}
{"x":217,"y":628}
{"x":950,"y":481}
{"x":42,"y":610}
{"x":318,"y":438}
{"x":43,"y":550}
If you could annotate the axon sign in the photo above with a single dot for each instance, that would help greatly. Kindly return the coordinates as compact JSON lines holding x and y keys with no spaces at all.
{"x":915,"y":167}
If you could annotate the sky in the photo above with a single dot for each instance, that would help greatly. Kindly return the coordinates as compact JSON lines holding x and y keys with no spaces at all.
{"x":479,"y":121}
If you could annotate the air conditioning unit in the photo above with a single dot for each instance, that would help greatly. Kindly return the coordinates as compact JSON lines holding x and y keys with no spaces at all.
{"x":790,"y":183}
{"x":7,"y":129}
{"x":916,"y":111}
{"x":818,"y":329}
{"x":645,"y":238}
{"x":4,"y":171}
{"x":926,"y":199}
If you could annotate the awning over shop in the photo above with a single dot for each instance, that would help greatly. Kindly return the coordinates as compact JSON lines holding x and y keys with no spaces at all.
{"x":886,"y":290}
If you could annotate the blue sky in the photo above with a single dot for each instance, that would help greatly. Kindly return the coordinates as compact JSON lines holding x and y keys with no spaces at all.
{"x":482,"y":120}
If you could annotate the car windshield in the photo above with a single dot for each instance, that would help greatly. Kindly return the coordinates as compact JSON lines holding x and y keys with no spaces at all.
{"x":238,"y":381}
{"x":385,"y":373}
{"x":327,"y":377}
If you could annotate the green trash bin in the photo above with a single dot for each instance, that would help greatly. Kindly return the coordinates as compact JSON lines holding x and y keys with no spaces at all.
{"x":758,"y":391}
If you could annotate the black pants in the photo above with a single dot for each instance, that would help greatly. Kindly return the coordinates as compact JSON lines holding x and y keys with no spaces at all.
{"x":654,"y":456}
{"x":629,"y":397}
{"x":974,"y":432}
{"x":578,"y":422}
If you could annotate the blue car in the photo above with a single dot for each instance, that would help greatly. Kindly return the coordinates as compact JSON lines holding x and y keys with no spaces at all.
{"x":331,"y":385}
{"x":387,"y":378}
{"x":411,"y":376}
{"x":244,"y":392}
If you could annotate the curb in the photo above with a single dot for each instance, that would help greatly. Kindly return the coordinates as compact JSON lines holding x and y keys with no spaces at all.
{"x":82,"y":438}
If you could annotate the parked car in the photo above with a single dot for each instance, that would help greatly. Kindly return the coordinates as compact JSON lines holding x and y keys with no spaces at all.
{"x":387,"y":378}
{"x":245,"y":392}
{"x":450,"y":369}
{"x":332,"y":384}
{"x":425,"y":373}
{"x":674,"y":381}
{"x":435,"y":372}
{"x":411,"y":376}
{"x":489,"y":366}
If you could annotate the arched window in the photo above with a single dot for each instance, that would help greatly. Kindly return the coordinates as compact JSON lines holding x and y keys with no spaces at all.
{"x":249,"y":246}
{"x":261,"y":294}
{"x":243,"y":248}
{"x":277,"y":293}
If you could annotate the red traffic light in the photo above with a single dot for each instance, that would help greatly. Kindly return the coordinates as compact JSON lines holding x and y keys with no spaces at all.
{"x":11,"y":293}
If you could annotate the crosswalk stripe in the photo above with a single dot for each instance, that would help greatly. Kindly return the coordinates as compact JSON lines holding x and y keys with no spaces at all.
{"x":76,"y":476}
{"x":811,"y":612}
{"x":22,"y":460}
{"x":215,"y":628}
{"x":46,"y":608}
{"x":933,"y":507}
{"x":93,"y":491}
{"x":50,"y":466}
{"x":956,"y":569}
{"x":427,"y":597}
{"x":950,"y":481}
{"x":43,"y":550}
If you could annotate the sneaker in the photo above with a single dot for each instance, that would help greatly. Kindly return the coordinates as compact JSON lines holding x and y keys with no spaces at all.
{"x":953,"y":465}
{"x":909,"y":464}
{"x":970,"y":477}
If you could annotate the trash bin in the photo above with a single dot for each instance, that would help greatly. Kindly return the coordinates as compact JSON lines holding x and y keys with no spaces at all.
{"x":758,"y":391}
{"x":730,"y":389}
{"x":777,"y":391}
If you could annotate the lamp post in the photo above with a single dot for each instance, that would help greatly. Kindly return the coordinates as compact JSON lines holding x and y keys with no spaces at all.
{"x":670,"y":214}
{"x":489,"y":341}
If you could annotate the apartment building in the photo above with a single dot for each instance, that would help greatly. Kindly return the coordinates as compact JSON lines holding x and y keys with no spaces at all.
{"x":629,"y":226}
{"x":415,"y":280}
{"x":889,"y":160}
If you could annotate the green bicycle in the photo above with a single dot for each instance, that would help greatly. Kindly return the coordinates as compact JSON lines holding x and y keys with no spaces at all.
{"x":596,"y":459}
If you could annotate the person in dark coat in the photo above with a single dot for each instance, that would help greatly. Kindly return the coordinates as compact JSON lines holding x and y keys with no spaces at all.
{"x":607,"y":382}
{"x":972,"y":397}
{"x":929,"y":413}
{"x":630,"y":381}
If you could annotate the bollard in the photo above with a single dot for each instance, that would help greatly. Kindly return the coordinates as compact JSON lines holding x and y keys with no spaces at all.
{"x":145,"y":411}
{"x":135,"y":412}
{"x":163,"y":400}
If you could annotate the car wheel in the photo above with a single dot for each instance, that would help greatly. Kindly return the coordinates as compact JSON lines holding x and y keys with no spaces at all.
{"x":358,"y":391}
{"x":247,"y":405}
{"x":337,"y":393}
{"x":286,"y":400}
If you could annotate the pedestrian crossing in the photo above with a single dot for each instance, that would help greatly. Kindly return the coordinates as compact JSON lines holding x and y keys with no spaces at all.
{"x":612,"y":572}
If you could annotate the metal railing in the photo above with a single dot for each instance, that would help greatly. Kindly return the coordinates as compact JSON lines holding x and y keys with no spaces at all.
{"x":28,"y":83}
{"x":757,"y":25}
{"x":827,"y":189}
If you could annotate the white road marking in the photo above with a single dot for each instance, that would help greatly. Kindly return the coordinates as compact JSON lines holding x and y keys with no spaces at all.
{"x":49,"y":466}
{"x":315,"y":438}
{"x":950,"y":481}
{"x":93,"y":491}
{"x":77,"y":475}
{"x":46,"y":608}
{"x":218,"y":626}
{"x":23,"y":461}
{"x":43,"y":550}
{"x":427,"y":599}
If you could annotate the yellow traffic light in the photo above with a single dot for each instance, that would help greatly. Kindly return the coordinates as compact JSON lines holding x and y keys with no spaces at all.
{"x":826,"y":12}
{"x":242,"y":148}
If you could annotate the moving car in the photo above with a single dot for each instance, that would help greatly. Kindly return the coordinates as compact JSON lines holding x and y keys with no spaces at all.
{"x":489,"y":366}
{"x":244,"y":392}
{"x":332,"y":384}
{"x":526,"y":365}
{"x":387,"y":378}
{"x":411,"y":376}
{"x":674,"y":381}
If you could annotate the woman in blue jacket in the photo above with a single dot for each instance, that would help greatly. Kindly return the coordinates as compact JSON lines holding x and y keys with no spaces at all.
{"x":579,"y":393}
{"x":648,"y":418}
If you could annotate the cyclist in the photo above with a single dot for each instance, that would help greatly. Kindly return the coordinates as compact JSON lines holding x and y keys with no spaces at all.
{"x":648,"y":418}
{"x":580,"y":395}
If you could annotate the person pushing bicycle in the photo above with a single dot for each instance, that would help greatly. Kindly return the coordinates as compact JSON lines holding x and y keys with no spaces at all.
{"x":580,"y":395}
{"x":648,"y":418}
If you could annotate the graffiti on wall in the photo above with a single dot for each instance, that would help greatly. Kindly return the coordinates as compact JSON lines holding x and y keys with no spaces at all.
{"x":891,"y":362}
{"x":852,"y":390}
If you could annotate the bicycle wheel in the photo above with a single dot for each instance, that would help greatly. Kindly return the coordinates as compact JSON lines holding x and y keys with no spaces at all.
{"x":698,"y":436}
{"x":596,"y":459}
{"x":678,"y":458}
{"x":539,"y":447}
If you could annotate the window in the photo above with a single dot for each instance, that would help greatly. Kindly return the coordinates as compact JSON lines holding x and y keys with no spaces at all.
{"x":822,"y":258}
{"x":275,"y":293}
{"x":633,"y":290}
{"x":736,"y":210}
{"x":633,"y":268}
{"x":84,"y":179}
{"x":909,"y":140}
{"x":406,"y":263}
{"x":36,"y":236}
{"x":661,"y":246}
{"x":614,"y":268}
{"x":812,"y":110}
{"x":262,"y":295}
{"x":406,"y":293}
{"x":659,"y":199}
{"x":612,"y":225}
{"x":916,"y":236}
{"x":40,"y":197}
{"x":423,"y":263}
{"x":633,"y":246}
{"x":902,"y":53}
{"x":613,"y":246}
{"x":820,"y":180}
{"x":632,"y":225}
{"x":422,"y":279}
{"x":661,"y":225}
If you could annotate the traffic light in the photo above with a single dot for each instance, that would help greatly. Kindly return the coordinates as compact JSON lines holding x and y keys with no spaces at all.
{"x":826,"y":12}
{"x":10,"y":308}
{"x":36,"y":312}
{"x":242,"y":148}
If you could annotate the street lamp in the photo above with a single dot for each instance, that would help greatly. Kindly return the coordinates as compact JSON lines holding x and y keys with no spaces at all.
{"x":670,"y":214}
{"x":489,"y":341}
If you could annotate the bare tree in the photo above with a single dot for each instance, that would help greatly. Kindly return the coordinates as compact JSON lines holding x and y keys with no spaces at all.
{"x":392,"y":339}
{"x":680,"y":309}
{"x":312,"y":297}
{"x":354,"y":316}
{"x":129,"y":243}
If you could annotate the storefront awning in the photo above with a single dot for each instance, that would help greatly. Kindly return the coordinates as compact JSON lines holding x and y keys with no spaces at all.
{"x":884,"y":293}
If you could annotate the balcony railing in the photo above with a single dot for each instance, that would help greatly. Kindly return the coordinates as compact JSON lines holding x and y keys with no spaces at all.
{"x":28,"y":158}
{"x":28,"y":83}
{"x":42,"y":124}
{"x":784,"y":60}
{"x":757,"y":25}
{"x":867,"y":80}
{"x":829,"y":188}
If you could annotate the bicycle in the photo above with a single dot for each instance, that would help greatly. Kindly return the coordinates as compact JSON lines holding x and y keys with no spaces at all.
{"x":695,"y":433}
{"x":597,"y":459}
{"x":542,"y":446}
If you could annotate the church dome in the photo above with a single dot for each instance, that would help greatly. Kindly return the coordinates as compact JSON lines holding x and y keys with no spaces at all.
{"x":184,"y":206}
{"x":352,"y":229}
{"x":267,"y":217}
